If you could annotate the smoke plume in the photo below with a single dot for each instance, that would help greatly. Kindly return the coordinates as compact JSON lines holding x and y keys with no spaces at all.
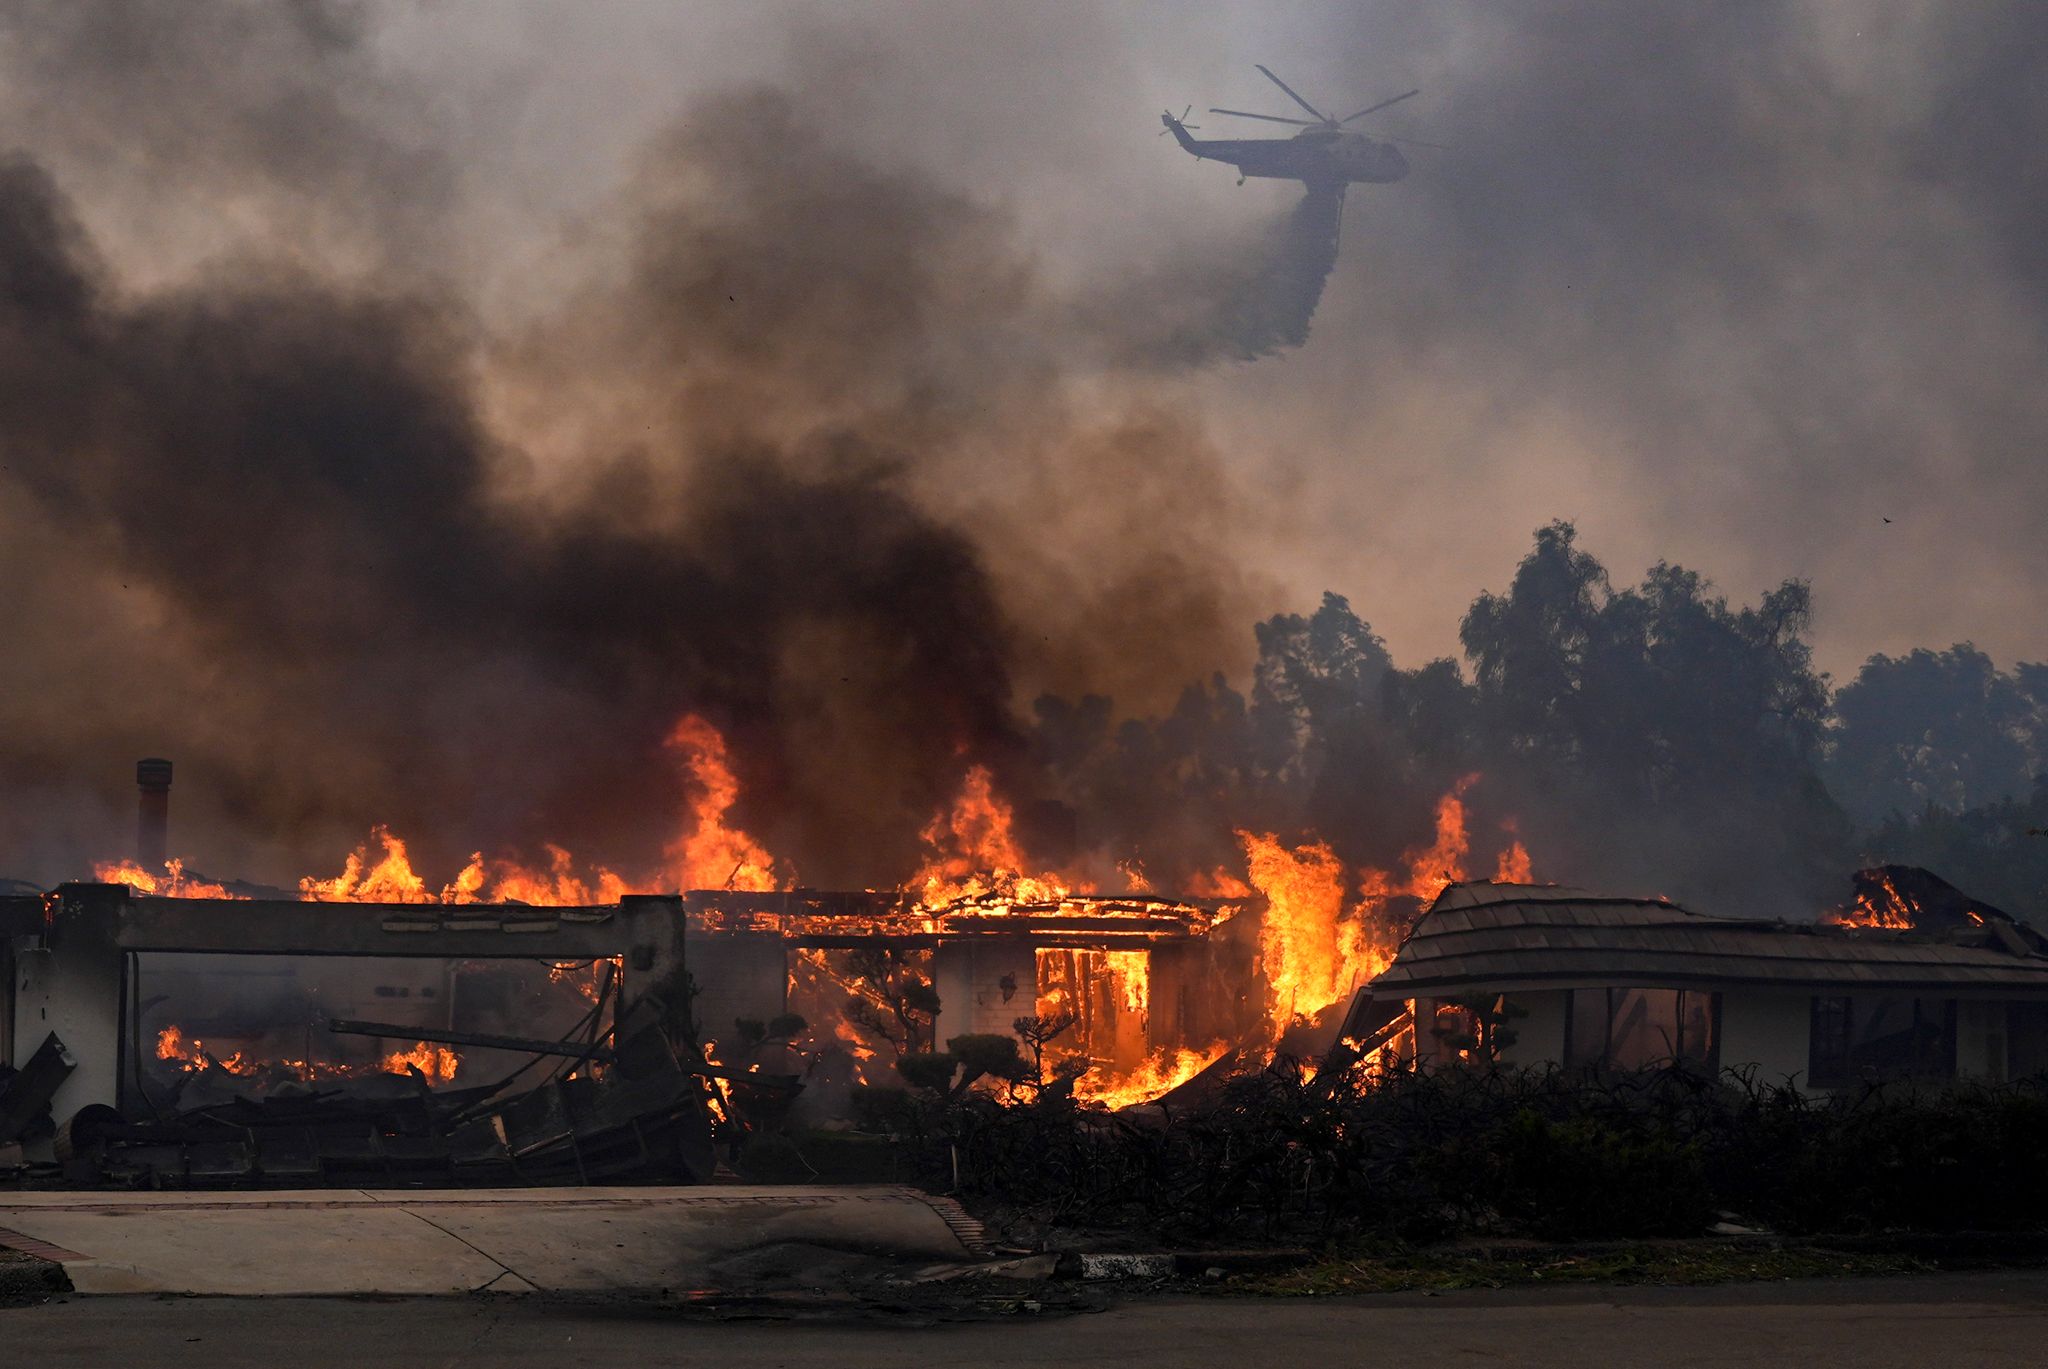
{"x":400,"y":571}
{"x":409,"y":412}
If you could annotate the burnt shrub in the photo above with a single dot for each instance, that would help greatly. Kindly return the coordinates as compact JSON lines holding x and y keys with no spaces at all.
{"x":1546,"y":1153}
{"x":1585,"y":1176}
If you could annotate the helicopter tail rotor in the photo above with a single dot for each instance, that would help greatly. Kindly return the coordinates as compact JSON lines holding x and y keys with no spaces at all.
{"x":1173,"y":123}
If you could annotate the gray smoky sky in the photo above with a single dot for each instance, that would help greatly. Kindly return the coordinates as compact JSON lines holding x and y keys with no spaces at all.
{"x":840,"y":370}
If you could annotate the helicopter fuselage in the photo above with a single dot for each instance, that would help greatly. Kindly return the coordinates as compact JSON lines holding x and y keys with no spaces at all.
{"x":1315,"y":156}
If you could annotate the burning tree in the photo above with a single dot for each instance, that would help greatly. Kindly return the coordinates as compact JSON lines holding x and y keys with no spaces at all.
{"x":894,"y":998}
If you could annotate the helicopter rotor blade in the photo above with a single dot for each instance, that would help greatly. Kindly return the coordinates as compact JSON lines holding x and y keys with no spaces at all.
{"x":1373,"y":109}
{"x":1320,"y":116}
{"x":1269,"y":118}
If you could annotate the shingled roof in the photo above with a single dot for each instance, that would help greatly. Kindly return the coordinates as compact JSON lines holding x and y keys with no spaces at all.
{"x":1484,"y":937}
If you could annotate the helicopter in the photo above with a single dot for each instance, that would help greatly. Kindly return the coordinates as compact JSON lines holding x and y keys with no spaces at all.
{"x":1325,"y":156}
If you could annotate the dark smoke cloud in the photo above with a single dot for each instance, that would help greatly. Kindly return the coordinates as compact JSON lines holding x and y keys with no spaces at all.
{"x":299,"y":475}
{"x":270,"y":128}
{"x":384,"y":462}
{"x":766,"y":448}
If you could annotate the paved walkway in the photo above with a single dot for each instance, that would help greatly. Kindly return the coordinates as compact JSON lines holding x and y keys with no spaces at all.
{"x":326,"y":1242}
{"x":1872,"y":1324}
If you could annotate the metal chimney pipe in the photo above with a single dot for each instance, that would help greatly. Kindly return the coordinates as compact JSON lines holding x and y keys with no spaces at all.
{"x":153,"y":817}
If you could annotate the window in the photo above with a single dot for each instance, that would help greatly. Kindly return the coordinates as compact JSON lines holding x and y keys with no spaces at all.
{"x":1880,"y":1036}
{"x":1631,"y":1029}
{"x":1478,"y":1030}
{"x":1585,"y":1027}
{"x":1827,"y":1059}
{"x":2026,"y":1034}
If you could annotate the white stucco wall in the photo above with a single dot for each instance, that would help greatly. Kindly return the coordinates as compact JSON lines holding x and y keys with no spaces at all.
{"x":1766,"y":1029}
{"x":1980,"y":1040}
{"x":77,"y":995}
{"x":1539,"y":1036}
{"x":973,"y":998}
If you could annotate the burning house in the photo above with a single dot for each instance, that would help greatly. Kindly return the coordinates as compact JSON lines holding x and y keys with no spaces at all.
{"x":1912,"y":979}
{"x":206,"y":1039}
{"x":547,"y":1022}
{"x":166,"y":992}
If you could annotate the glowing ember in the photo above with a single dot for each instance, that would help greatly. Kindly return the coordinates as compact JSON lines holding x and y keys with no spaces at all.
{"x":850,"y":1038}
{"x":437,"y":1064}
{"x":718,"y":1091}
{"x":586,"y":977}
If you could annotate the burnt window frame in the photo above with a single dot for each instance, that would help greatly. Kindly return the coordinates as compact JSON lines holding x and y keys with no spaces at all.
{"x":1709,"y":1061}
{"x":1834,"y":1068}
{"x":1941,"y":1063}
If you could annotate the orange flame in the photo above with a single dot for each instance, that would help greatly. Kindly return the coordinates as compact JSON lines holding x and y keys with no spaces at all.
{"x":1131,"y":972}
{"x":170,"y":1045}
{"x":974,"y":852}
{"x":714,"y":856}
{"x":1438,"y":866}
{"x":1164,"y":1071}
{"x":585,"y":977}
{"x":1313,"y":949}
{"x":1309,"y":953}
{"x":388,"y":879}
{"x":1218,"y":883}
{"x":173,"y":883}
{"x":437,"y":1063}
{"x":1887,"y":908}
{"x":556,"y":886}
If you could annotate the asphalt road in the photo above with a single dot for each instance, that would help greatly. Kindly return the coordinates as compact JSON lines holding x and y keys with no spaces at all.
{"x":1953,"y":1319}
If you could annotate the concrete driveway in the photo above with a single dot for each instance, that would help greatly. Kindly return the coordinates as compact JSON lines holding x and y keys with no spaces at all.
{"x":332,"y":1242}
